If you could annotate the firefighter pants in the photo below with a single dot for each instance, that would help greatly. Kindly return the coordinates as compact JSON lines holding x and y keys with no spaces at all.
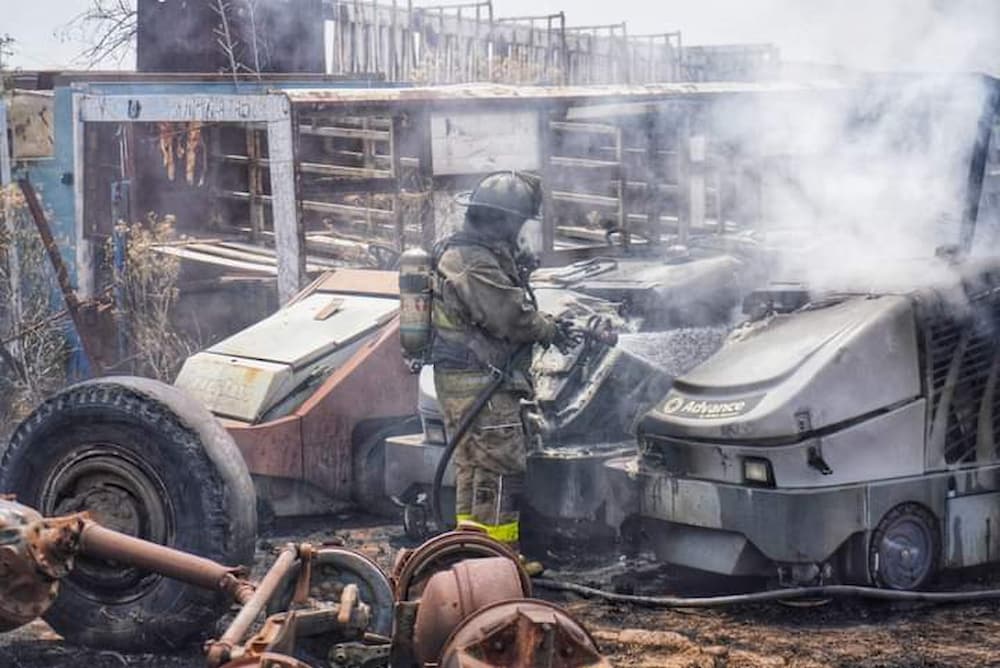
{"x":490,"y":459}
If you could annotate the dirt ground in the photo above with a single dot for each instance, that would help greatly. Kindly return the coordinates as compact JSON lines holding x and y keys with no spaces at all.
{"x":840,"y":634}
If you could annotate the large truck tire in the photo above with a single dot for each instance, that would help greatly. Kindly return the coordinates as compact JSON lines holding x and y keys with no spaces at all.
{"x":147,"y":460}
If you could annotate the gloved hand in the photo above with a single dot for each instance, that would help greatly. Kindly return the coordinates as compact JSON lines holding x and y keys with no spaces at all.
{"x":568,"y":336}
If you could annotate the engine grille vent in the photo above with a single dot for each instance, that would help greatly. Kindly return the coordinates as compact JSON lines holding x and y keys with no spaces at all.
{"x":961,"y":354}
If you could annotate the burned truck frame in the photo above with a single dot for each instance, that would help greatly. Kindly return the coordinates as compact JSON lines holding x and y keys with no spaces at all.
{"x":847,"y":431}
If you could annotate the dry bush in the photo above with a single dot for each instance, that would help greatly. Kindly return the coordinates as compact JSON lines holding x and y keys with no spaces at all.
{"x":32,"y":326}
{"x":145,"y":293}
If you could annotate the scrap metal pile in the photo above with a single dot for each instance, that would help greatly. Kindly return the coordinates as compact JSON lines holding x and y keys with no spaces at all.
{"x":460,"y":599}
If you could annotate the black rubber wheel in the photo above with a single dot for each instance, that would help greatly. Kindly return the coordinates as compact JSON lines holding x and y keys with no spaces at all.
{"x":149,"y":461}
{"x":905,"y":548}
{"x":368,"y":461}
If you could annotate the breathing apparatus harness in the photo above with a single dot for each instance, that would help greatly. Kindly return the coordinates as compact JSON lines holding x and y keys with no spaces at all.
{"x":499,"y":371}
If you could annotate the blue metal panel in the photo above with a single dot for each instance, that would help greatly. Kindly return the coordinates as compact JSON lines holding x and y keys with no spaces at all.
{"x":53,"y":179}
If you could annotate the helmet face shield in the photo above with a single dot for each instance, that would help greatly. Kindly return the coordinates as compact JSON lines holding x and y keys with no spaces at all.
{"x":529,"y":238}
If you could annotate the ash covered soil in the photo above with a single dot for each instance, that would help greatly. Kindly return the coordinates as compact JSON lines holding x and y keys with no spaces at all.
{"x":841,"y":633}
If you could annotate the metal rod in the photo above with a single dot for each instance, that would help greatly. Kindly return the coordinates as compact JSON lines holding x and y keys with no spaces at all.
{"x":102,"y":543}
{"x":218,"y":651}
{"x":62,"y":275}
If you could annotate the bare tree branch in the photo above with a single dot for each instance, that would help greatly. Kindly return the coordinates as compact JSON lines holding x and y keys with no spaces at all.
{"x":108,"y":26}
{"x":225,"y":39}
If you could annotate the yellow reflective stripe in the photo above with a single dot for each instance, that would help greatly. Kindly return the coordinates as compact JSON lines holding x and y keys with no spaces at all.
{"x":463,"y":517}
{"x":505,"y":533}
{"x":471,"y":525}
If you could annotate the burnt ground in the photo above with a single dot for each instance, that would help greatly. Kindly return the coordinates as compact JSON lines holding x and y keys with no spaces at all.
{"x":840,"y":633}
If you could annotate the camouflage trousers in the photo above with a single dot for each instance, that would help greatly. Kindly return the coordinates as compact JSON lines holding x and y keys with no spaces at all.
{"x":490,"y":459}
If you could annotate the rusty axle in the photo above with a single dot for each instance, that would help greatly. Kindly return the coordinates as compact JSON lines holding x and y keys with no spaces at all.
{"x":219,"y":651}
{"x":97,"y":541}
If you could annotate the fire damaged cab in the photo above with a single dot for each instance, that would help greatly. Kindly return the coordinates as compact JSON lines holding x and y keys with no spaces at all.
{"x":840,"y":438}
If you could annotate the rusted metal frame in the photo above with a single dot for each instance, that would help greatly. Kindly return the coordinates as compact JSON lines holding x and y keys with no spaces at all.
{"x":312,"y":205}
{"x":340,"y":12}
{"x":5,"y":155}
{"x":680,"y":57}
{"x":12,"y":254}
{"x":622,"y":187}
{"x":343,"y":132}
{"x":393,"y":73}
{"x":62,"y":275}
{"x":655,"y":176}
{"x":254,"y":163}
{"x":354,"y":61}
{"x":358,"y":42}
{"x":85,"y":278}
{"x":314,"y":168}
{"x":274,"y":110}
{"x":397,"y":173}
{"x":682,"y":134}
{"x":563,"y":51}
{"x":219,"y":650}
{"x":476,"y":45}
{"x":458,"y":5}
{"x":575,"y":126}
{"x":671,"y":55}
{"x":289,"y":231}
{"x":409,"y":42}
{"x":376,"y":38}
{"x":546,"y":150}
{"x":319,"y":188}
{"x":623,"y":55}
{"x":101,"y":543}
{"x":421,"y":129}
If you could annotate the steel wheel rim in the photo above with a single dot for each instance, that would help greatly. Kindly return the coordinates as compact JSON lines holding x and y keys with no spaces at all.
{"x":905,"y":553}
{"x":122,"y":493}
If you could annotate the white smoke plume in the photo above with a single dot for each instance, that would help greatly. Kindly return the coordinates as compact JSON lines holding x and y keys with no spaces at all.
{"x":861,"y":186}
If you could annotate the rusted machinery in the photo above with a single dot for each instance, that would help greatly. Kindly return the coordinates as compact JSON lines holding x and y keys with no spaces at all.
{"x":459,"y":600}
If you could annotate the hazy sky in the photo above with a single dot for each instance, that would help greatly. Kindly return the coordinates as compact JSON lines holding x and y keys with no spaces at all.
{"x":879,"y":34}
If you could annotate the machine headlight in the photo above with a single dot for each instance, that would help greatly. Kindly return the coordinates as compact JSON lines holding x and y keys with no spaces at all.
{"x":434,"y":432}
{"x":757,"y":471}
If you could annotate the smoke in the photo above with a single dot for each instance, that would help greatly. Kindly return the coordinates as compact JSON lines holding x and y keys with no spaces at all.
{"x":921,"y":35}
{"x":860,"y":186}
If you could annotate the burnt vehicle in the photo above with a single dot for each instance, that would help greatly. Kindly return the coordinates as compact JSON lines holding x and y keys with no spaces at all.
{"x":847,"y":432}
{"x":669,"y":308}
{"x":172,"y":464}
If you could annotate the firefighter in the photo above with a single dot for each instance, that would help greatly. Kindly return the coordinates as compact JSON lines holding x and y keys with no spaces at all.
{"x":485,"y":319}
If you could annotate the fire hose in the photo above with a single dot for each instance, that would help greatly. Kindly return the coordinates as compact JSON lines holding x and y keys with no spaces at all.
{"x":463,"y":427}
{"x":597,"y":330}
{"x":825,"y":591}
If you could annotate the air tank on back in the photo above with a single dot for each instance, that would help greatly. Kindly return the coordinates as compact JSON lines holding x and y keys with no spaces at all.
{"x":415,"y":293}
